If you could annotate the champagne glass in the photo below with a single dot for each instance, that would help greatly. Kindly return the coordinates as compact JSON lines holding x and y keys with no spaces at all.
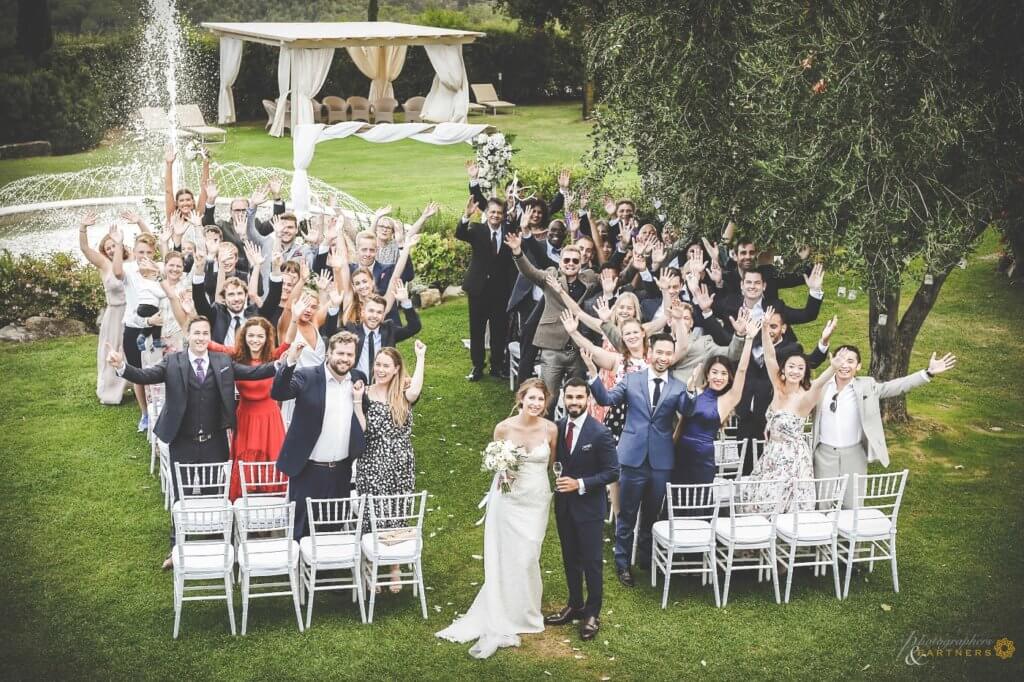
{"x":557,"y":468}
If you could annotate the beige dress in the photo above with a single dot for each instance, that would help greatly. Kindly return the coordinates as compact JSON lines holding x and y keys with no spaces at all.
{"x":109,"y":386}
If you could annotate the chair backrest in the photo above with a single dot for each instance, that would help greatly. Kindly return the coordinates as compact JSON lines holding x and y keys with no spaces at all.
{"x":414,"y":103}
{"x":729,"y":455}
{"x":189,"y":115}
{"x":202,"y":481}
{"x":335,"y":518}
{"x":262,"y":479}
{"x":883,"y":492}
{"x":385,"y":104}
{"x":360,"y":107}
{"x":756,"y":497}
{"x":213,"y":525}
{"x":335,"y":103}
{"x":154,"y":118}
{"x":272,"y":522}
{"x":697,"y":502}
{"x":828,"y":494}
{"x":756,"y":450}
{"x":484,"y":92}
{"x":390,"y":512}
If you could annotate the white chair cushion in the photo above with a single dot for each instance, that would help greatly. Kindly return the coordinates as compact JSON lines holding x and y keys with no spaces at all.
{"x":814,"y":527}
{"x":685,"y":533}
{"x":331,"y":550}
{"x":871,"y":523}
{"x":400,"y":551}
{"x":200,"y":504}
{"x":750,"y":530}
{"x":259,"y":501}
{"x":270,"y":554}
{"x":204,"y":557}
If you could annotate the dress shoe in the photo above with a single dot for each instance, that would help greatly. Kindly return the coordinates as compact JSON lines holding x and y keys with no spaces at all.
{"x":626,"y":578}
{"x":475,"y":375}
{"x":589,"y":628}
{"x":500,"y":374}
{"x":566,"y":615}
{"x":168,"y":563}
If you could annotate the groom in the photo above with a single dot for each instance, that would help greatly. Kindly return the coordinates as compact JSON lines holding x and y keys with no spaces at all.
{"x":586,"y":451}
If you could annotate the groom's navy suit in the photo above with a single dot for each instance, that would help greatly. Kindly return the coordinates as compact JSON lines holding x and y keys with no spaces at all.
{"x":580,"y":517}
{"x":646,"y":455}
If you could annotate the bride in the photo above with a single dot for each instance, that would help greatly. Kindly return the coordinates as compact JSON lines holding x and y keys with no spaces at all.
{"x":510,"y":599}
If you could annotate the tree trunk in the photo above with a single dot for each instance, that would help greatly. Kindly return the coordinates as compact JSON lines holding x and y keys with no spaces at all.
{"x":893,"y":341}
{"x":588,"y":98}
{"x":1015,"y":241}
{"x":372,"y":10}
{"x":34,"y":30}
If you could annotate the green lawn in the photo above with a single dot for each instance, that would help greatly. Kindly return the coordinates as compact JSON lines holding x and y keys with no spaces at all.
{"x":83,"y":531}
{"x":405,"y":174}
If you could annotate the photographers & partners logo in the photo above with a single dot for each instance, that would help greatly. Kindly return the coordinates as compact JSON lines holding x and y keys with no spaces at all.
{"x":920,"y":649}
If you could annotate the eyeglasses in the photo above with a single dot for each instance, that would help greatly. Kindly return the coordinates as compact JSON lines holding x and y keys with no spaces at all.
{"x":834,"y":405}
{"x":573,"y":261}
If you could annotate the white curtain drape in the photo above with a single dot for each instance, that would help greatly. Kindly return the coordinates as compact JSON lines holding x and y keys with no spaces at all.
{"x":309,"y":71}
{"x":305,"y":138}
{"x":230,"y":61}
{"x":284,"y":75}
{"x":381,"y":64}
{"x":448,"y":99}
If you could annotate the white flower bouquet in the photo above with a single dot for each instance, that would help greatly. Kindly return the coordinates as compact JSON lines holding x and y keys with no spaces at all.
{"x":493,"y":156}
{"x":503,"y":458}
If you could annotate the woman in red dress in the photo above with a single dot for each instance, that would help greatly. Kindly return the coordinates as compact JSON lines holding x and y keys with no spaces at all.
{"x":259,"y":430}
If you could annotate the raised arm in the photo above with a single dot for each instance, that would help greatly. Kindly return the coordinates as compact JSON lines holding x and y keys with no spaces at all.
{"x":117,"y":265}
{"x":602,"y":358}
{"x":727,"y":402}
{"x":169,"y":203}
{"x":515,"y":242}
{"x":174,"y":301}
{"x":809,"y":400}
{"x":771,"y":362}
{"x":92,"y":255}
{"x":412,"y":394}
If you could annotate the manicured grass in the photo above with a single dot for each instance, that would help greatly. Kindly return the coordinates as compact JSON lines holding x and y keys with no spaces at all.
{"x":83,"y":534}
{"x":405,"y":174}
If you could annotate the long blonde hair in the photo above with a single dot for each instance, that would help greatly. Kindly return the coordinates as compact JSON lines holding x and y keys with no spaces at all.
{"x":397,"y":401}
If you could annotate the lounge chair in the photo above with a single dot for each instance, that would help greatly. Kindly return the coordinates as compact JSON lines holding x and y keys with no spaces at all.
{"x":336,"y":109}
{"x":154,"y":120}
{"x":384,"y":109}
{"x":270,"y":106}
{"x":191,"y":119}
{"x":413,"y":107}
{"x":359,"y":109}
{"x":486,"y":96}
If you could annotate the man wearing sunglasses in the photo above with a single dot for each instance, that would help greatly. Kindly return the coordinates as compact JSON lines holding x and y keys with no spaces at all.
{"x":559,"y":356}
{"x":848,"y":431}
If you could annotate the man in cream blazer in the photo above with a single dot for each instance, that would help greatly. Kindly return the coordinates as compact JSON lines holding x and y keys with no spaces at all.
{"x":848,"y":431}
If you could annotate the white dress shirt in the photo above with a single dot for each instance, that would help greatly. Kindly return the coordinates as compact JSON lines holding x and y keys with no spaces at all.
{"x":192,"y":357}
{"x":842,"y":428}
{"x":364,"y":357}
{"x":576,"y":428}
{"x":332,"y":445}
{"x":651,"y":376}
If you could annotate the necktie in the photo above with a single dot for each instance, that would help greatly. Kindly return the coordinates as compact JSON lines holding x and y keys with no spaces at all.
{"x":370,"y":352}
{"x":497,"y":242}
{"x":200,"y":372}
{"x":236,"y":324}
{"x":568,"y":436}
{"x":657,"y":391}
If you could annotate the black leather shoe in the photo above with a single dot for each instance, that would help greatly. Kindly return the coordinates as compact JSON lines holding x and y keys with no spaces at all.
{"x":475,"y":375}
{"x":589,"y":628}
{"x":566,"y":615}
{"x":500,"y":374}
{"x":626,"y":578}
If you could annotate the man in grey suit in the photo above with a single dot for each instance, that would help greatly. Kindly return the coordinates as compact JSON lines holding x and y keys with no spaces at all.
{"x":654,"y":400}
{"x":848,"y":431}
{"x":559,"y":356}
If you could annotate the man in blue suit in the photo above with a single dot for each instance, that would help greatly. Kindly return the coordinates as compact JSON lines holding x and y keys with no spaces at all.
{"x":586,"y":451}
{"x":646,"y":453}
{"x":324,"y":437}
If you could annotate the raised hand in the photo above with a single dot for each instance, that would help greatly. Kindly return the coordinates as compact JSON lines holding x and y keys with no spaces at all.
{"x":258,"y":197}
{"x":609,"y":205}
{"x":381,"y":212}
{"x":169,"y":154}
{"x":295,"y":351}
{"x":604,"y":313}
{"x":826,"y":333}
{"x":608,"y":282}
{"x":114,"y":358}
{"x":275,"y":186}
{"x":569,"y":321}
{"x":116,"y":234}
{"x":88,"y":219}
{"x":419,"y":348}
{"x":471,"y":207}
{"x":130,"y":216}
{"x":715,"y":271}
{"x":740,"y":322}
{"x":211,"y":192}
{"x":754,"y":326}
{"x":324,"y":280}
{"x":334,"y":259}
{"x":804,"y":252}
{"x":253,"y":254}
{"x":940,"y":365}
{"x":584,"y":199}
{"x":563,"y":180}
{"x":472,"y":170}
{"x":514,"y":240}
{"x":300,"y":306}
{"x":657,"y":255}
{"x":401,"y":291}
{"x":639,"y":260}
{"x":816,"y":279}
{"x":588,"y":360}
{"x":551,"y":280}
{"x":358,"y":390}
{"x":313,"y":233}
{"x":179,"y":226}
{"x":703,"y":298}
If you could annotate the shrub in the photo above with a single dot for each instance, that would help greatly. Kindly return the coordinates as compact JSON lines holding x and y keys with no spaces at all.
{"x":440,"y":261}
{"x":55,"y":285}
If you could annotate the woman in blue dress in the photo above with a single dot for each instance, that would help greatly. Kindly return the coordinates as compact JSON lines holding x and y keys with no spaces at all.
{"x":706,"y":411}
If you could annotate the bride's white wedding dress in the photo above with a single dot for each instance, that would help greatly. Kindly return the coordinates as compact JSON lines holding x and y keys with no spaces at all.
{"x":509,"y":601}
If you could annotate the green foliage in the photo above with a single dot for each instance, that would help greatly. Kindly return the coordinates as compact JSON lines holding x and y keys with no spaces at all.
{"x":440,"y":261}
{"x":55,"y":285}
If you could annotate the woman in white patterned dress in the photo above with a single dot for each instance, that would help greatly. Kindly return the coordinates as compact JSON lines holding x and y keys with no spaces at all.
{"x":509,"y":602}
{"x":787,"y":456}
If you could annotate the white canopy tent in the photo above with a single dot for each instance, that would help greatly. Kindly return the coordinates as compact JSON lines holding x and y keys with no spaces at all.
{"x":377,"y":47}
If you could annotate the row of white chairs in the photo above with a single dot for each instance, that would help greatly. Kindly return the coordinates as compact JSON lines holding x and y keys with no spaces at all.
{"x":257,"y":533}
{"x":759,"y":535}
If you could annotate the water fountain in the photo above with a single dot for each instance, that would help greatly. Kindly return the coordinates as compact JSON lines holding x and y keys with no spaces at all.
{"x":39,"y":214}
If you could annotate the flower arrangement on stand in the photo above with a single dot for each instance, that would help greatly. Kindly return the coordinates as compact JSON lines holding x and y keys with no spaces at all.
{"x":493,"y":157}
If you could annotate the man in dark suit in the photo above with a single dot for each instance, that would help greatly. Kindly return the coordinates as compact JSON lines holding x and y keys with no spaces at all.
{"x":227,"y":318}
{"x":324,"y":437}
{"x":753,"y":298}
{"x":200,"y":399}
{"x":586,"y":452}
{"x":237,"y":230}
{"x":373,"y":332}
{"x":488,"y":284}
{"x":746,"y":260}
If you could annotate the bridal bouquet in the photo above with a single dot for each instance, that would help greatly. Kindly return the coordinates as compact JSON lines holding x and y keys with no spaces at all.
{"x":493,"y":154}
{"x":503,"y":458}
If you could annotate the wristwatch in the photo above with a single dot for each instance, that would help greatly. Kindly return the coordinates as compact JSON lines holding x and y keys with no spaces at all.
{"x":929,"y":374}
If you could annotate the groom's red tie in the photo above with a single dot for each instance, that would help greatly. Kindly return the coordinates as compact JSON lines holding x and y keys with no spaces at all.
{"x":568,"y":437}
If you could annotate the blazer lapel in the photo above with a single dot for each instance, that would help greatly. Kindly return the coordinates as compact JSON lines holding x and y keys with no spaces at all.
{"x":646,"y":390}
{"x":183,"y":368}
{"x":581,"y":437}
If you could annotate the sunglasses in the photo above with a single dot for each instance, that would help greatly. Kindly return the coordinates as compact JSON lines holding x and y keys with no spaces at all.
{"x":573,"y":261}
{"x":834,"y":405}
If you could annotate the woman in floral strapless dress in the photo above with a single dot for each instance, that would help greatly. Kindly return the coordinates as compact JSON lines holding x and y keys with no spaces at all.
{"x":787,"y":456}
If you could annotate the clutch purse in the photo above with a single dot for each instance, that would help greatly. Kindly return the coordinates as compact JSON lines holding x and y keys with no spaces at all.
{"x":396,"y":536}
